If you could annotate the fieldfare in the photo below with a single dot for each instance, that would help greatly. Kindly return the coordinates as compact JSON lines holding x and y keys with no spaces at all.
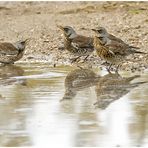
{"x":12,"y":52}
{"x":77,"y":80}
{"x":8,"y":72}
{"x":112,"y":87}
{"x":102,"y":32}
{"x":112,"y":51}
{"x":77,"y":44}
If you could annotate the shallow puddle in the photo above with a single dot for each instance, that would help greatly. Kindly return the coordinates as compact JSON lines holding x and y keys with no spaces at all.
{"x":67,"y":106}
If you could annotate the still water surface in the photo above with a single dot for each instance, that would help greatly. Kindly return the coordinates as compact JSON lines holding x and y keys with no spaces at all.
{"x":67,"y":106}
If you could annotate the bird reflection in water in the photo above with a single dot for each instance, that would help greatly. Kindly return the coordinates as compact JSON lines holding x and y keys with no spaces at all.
{"x":77,"y":80}
{"x":8,"y":74}
{"x":112,"y":87}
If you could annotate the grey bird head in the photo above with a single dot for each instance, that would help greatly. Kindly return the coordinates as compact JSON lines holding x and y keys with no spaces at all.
{"x":100,"y":31}
{"x":68,"y":31}
{"x":103,"y":40}
{"x":21,"y":44}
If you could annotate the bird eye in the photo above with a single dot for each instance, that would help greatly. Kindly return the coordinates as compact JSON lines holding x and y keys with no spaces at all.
{"x":100,"y":31}
{"x":66,"y":29}
{"x":23,"y":42}
{"x":100,"y":38}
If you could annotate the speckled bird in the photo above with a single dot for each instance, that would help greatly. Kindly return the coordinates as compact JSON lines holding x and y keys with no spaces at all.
{"x":77,"y":80}
{"x":112,"y":51}
{"x":12,"y":52}
{"x":102,"y":32}
{"x":112,"y":87}
{"x":76,"y":44}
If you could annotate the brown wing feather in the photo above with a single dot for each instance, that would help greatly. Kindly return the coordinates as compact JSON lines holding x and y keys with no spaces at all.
{"x":8,"y":49}
{"x":118,"y":48}
{"x":112,"y":37}
{"x":122,"y":49}
{"x":83,"y":41}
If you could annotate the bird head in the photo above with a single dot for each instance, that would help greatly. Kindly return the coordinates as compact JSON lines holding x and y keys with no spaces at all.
{"x":21,"y":44}
{"x":68,"y":31}
{"x":100,"y":31}
{"x":102,"y":40}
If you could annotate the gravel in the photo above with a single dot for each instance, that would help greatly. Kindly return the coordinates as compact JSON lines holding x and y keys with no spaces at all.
{"x":38,"y":20}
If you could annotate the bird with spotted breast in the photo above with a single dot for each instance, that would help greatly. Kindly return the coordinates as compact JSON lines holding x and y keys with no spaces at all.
{"x":77,"y":45}
{"x":102,"y":32}
{"x":112,"y":87}
{"x":112,"y":51}
{"x":79,"y":79}
{"x":12,"y":52}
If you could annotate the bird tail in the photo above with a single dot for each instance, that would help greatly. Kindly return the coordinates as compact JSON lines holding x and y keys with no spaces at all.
{"x":135,"y":51}
{"x":137,"y":84}
{"x":134,"y":47}
{"x":140,"y":52}
{"x":132,"y":78}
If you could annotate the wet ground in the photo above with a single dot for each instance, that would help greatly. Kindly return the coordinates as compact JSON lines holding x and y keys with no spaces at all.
{"x":71,"y":106}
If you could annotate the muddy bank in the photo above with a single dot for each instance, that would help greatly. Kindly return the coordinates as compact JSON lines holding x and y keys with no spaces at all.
{"x":38,"y":20}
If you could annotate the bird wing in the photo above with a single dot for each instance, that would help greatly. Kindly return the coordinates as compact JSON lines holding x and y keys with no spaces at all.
{"x":8,"y":49}
{"x":112,"y":37}
{"x":82,"y":42}
{"x":117,"y":48}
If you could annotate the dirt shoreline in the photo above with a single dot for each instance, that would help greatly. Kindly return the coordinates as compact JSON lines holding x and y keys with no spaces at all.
{"x":38,"y":20}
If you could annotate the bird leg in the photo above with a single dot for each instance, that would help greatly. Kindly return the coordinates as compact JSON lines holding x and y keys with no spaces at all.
{"x":85,"y":58}
{"x":117,"y":67}
{"x":108,"y":69}
{"x":75,"y":59}
{"x":80,"y":67}
{"x":104,"y":63}
{"x":116,"y":72}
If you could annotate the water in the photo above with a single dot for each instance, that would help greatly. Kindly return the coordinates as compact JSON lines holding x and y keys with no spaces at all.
{"x":67,"y":106}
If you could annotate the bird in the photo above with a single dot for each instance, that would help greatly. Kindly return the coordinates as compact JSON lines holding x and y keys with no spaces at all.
{"x":79,"y":79}
{"x":112,"y":51}
{"x":12,"y":52}
{"x":8,"y":74}
{"x":77,"y":45}
{"x":102,"y":32}
{"x":112,"y":87}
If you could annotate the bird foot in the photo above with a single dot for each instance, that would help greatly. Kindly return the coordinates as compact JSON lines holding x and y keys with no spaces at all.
{"x":80,"y":67}
{"x":74,"y":60}
{"x":104,"y":63}
{"x":108,"y":70}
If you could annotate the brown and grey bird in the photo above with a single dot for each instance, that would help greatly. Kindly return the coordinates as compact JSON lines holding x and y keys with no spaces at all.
{"x":10,"y":74}
{"x":12,"y":52}
{"x":76,"y":44}
{"x":77,"y":80}
{"x":112,"y":87}
{"x":112,"y":51}
{"x":102,"y":32}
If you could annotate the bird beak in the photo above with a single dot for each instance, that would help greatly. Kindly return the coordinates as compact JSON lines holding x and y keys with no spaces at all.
{"x":60,"y":27}
{"x":94,"y":30}
{"x":26,"y":41}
